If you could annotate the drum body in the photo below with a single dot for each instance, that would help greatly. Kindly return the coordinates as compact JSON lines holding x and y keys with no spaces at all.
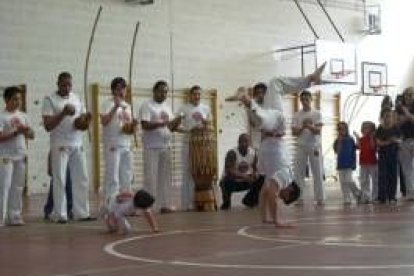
{"x":203,"y":164}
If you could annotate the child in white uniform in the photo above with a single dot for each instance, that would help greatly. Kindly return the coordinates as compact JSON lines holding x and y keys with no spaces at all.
{"x":14,"y":129}
{"x":195,"y":115}
{"x":125,"y":204}
{"x":118,"y":125}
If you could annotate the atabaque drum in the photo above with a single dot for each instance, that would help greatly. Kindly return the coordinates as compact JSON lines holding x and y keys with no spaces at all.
{"x":203,"y":164}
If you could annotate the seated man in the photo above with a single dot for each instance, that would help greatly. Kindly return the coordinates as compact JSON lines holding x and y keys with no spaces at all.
{"x":240,"y":174}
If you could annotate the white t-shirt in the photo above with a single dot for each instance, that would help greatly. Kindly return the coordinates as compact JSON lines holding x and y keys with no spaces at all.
{"x":119,"y":211}
{"x":14,"y":147}
{"x":244,"y":164}
{"x":151,"y":111}
{"x":112,"y":132}
{"x":306,"y":137}
{"x":65,"y":133}
{"x":283,"y":177}
{"x":193,"y":116}
{"x":268,"y":119}
{"x":273,"y":151}
{"x":255,"y":130}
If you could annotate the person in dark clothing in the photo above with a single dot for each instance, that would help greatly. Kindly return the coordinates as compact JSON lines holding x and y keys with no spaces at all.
{"x":241,"y":174}
{"x":388,"y":140}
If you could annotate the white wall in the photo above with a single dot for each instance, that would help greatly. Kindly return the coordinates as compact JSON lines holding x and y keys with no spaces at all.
{"x":393,"y":47}
{"x":218,"y":44}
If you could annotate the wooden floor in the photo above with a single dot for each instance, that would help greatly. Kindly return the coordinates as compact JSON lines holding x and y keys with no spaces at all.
{"x":329,"y":240}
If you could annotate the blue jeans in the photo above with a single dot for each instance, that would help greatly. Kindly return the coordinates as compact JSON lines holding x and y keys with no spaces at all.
{"x":48,"y":208}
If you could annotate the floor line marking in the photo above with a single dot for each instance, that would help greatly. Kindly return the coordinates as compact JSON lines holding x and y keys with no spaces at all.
{"x":110,"y":249}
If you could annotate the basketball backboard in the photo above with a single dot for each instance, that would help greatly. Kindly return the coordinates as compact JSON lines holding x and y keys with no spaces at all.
{"x":374,"y":78}
{"x":372,"y":17}
{"x":340,"y":58}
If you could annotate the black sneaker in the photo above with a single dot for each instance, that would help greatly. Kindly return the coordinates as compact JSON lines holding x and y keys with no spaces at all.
{"x":86,"y":219}
{"x":225,"y":206}
{"x":165,"y":210}
{"x":248,"y":203}
{"x":46,"y":217}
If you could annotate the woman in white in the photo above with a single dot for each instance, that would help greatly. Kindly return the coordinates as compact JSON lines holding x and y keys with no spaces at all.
{"x":13,"y":131}
{"x":195,"y":115}
{"x":118,"y":125}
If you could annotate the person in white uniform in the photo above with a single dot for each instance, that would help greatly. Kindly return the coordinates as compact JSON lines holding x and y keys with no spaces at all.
{"x":280,"y":86}
{"x":307,"y":126}
{"x":126,"y":204}
{"x":64,"y":116}
{"x":157,"y":123}
{"x":118,"y":126}
{"x":278,"y":176}
{"x":259,"y":92}
{"x":195,"y":115}
{"x":14,"y":128}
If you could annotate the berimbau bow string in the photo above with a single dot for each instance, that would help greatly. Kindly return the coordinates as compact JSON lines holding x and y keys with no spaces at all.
{"x":131,"y":66}
{"x":88,"y":54}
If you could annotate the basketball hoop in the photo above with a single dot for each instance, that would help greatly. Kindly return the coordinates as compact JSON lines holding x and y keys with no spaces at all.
{"x":378,"y":88}
{"x":342,"y":74}
{"x":374,"y":78}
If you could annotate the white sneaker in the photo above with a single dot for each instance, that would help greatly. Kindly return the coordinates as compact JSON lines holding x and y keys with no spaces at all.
{"x":300,"y":202}
{"x":18,"y":221}
{"x":320,"y":203}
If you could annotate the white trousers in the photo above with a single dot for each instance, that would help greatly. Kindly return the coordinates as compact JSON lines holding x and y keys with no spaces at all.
{"x":187,"y":185}
{"x":314,"y":156}
{"x":406,"y":155}
{"x":12,"y":175}
{"x":118,"y":170}
{"x":74,"y":157}
{"x":157,"y":175}
{"x":348,"y":185}
{"x":369,"y":174}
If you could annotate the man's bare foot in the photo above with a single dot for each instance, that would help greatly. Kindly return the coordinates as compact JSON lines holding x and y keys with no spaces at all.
{"x":315,"y":77}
